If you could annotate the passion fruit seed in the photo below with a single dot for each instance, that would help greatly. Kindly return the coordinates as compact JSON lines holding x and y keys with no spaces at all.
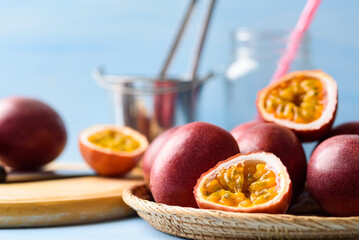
{"x":114,"y":140}
{"x":300,"y":100}
{"x":241,"y":186}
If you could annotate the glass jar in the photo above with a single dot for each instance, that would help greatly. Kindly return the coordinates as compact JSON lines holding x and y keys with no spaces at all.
{"x":256,"y":53}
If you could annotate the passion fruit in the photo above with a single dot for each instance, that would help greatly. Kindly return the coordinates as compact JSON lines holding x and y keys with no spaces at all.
{"x":238,"y":131}
{"x":251,"y":183}
{"x":303,"y":101}
{"x":112,"y":150}
{"x":282,"y":142}
{"x":190,"y":151}
{"x":32,"y":133}
{"x":332,"y":175}
{"x":152,"y":151}
{"x":345,"y":128}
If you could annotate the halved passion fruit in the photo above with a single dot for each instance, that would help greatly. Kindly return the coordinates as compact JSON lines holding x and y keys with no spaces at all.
{"x":253,"y":183}
{"x":112,"y":150}
{"x":303,"y":101}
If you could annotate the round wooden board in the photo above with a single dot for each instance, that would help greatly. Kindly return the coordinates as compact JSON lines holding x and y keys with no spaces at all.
{"x":64,"y":201}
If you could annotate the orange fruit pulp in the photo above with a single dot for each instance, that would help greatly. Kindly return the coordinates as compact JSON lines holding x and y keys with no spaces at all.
{"x":301,"y":100}
{"x":114,"y":140}
{"x":243,"y":186}
{"x":112,"y":150}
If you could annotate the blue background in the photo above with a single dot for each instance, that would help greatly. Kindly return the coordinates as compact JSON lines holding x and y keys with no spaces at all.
{"x":49,"y":48}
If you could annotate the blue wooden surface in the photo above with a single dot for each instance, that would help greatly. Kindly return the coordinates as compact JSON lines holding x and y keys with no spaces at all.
{"x":48,"y":49}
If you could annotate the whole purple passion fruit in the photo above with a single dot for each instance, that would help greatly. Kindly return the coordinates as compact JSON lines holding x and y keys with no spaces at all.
{"x":240,"y":129}
{"x":333,"y":175}
{"x":190,"y":151}
{"x":345,"y":128}
{"x":31,"y":133}
{"x":152,"y":151}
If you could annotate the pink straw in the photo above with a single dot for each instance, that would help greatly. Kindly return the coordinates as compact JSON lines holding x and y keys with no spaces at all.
{"x":295,"y":39}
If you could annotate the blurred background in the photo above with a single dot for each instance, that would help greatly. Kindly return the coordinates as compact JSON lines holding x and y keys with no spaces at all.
{"x":48,"y":50}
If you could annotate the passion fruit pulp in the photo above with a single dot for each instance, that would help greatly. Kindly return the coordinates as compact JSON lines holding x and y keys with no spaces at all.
{"x":114,"y":140}
{"x":242,"y":185}
{"x":303,"y":101}
{"x":255,"y":182}
{"x":112,"y":150}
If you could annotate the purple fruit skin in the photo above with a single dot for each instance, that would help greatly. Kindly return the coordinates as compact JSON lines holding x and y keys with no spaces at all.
{"x":238,"y":131}
{"x":152,"y":151}
{"x":282,"y":142}
{"x":190,"y":151}
{"x":345,"y":128}
{"x":31,"y":133}
{"x":333,"y":175}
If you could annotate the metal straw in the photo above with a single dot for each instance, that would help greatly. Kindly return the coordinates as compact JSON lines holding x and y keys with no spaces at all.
{"x":177,"y":39}
{"x":199,"y":47}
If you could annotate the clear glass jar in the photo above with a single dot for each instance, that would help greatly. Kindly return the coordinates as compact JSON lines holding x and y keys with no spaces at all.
{"x":256,"y":53}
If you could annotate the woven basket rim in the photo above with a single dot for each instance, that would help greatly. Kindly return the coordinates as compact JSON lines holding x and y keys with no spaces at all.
{"x":214,"y":224}
{"x":131,"y":199}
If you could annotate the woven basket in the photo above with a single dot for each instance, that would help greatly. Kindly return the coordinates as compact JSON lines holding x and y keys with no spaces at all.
{"x":209,"y":224}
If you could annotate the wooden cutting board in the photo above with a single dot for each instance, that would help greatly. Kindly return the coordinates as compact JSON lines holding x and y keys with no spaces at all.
{"x":64,"y":201}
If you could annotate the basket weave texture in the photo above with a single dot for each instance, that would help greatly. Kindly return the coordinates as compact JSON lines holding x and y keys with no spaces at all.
{"x":210,"y":224}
